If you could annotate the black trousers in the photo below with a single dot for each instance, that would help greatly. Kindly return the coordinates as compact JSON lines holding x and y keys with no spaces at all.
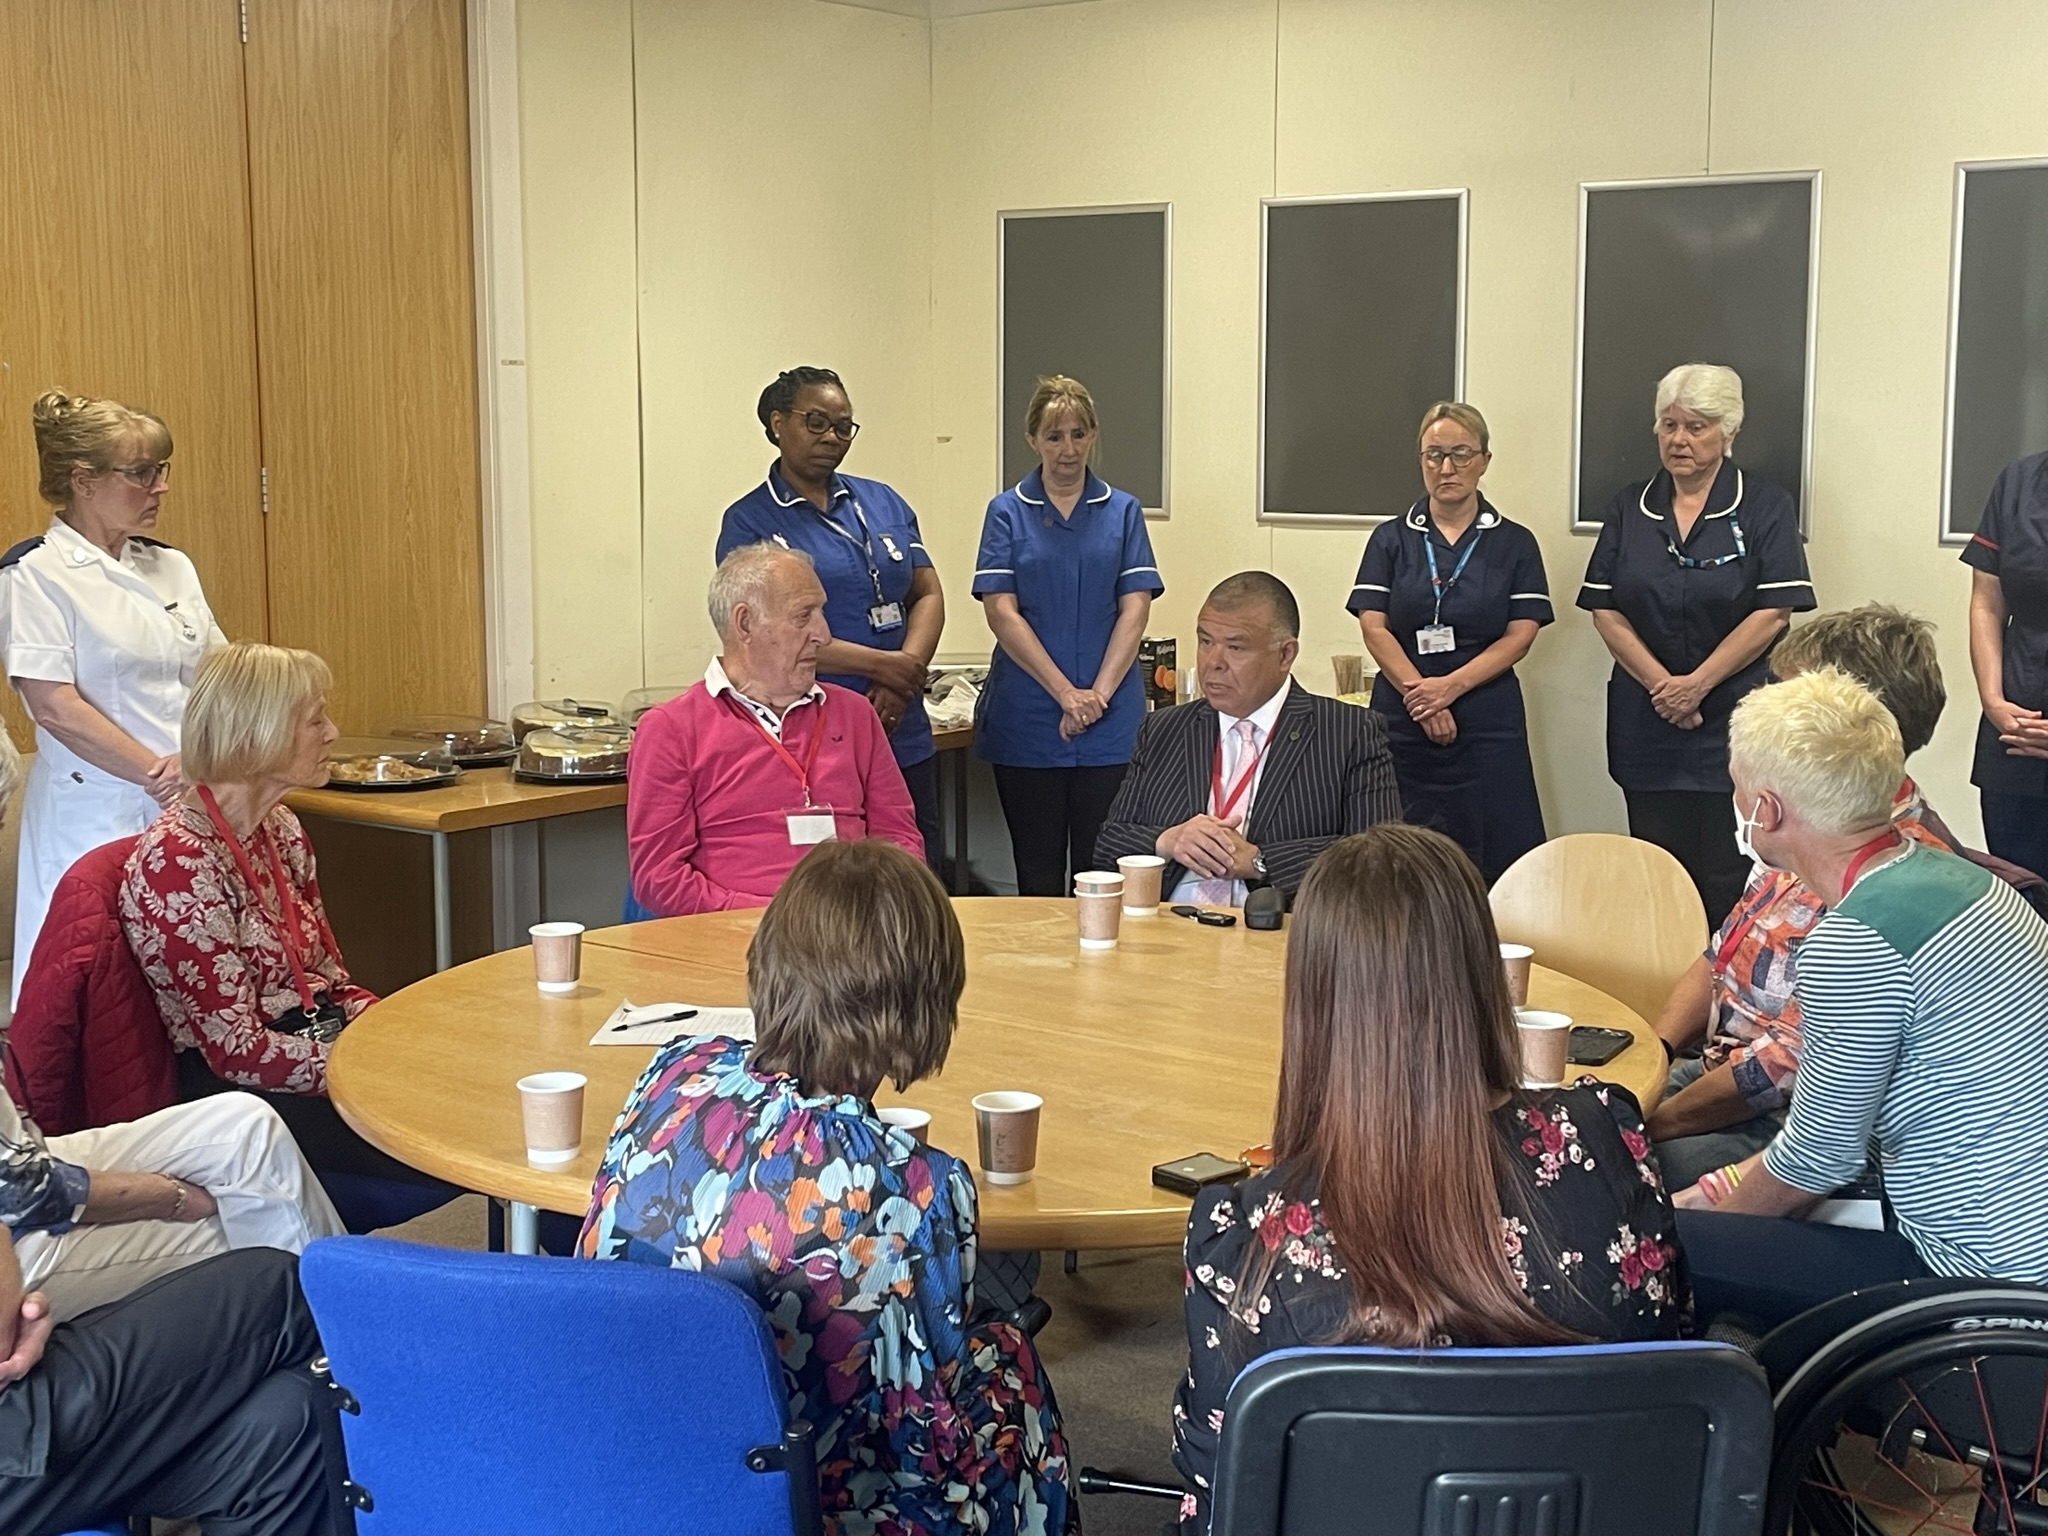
{"x":189,"y":1400}
{"x":1697,"y":829}
{"x":923,"y":781}
{"x":326,"y":1139}
{"x":1054,"y":814}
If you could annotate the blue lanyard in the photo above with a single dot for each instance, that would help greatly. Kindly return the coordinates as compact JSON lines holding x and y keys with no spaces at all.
{"x":1442,"y":586}
{"x":1688,"y":563}
{"x":865,"y":543}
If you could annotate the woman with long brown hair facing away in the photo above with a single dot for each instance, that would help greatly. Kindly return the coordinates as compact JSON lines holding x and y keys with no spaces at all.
{"x":1419,"y":1196}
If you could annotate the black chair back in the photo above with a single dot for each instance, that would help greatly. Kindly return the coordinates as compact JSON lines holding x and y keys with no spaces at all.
{"x":1591,"y":1440}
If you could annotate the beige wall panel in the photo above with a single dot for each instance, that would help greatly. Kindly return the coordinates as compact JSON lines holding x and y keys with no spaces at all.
{"x":784,"y":218}
{"x":1520,"y":104}
{"x":1885,"y":98}
{"x":583,"y":392}
{"x":1132,"y":101}
{"x":359,"y":134}
{"x":124,"y":261}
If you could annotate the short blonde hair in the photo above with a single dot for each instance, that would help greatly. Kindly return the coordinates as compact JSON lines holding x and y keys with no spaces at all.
{"x":1466,"y":416}
{"x":1822,"y":743}
{"x":1709,"y":388}
{"x":856,"y":971}
{"x":1059,"y":393}
{"x":244,"y":711}
{"x":74,"y":432}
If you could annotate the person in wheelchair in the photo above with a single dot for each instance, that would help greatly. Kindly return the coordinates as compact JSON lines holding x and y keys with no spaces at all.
{"x":1923,"y":992}
{"x":1419,"y":1195}
{"x":1740,"y":996}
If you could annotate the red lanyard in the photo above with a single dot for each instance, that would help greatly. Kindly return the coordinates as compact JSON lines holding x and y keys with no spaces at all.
{"x":801,"y":770}
{"x":288,"y":924}
{"x":1888,"y":838}
{"x":1747,"y":921}
{"x":1221,"y":807}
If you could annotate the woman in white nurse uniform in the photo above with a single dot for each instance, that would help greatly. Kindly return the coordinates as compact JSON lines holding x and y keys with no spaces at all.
{"x":101,"y":629}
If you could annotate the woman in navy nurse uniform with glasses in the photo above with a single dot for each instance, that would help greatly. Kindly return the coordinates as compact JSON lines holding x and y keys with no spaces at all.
{"x":1693,"y":578}
{"x":1066,"y":579}
{"x":2008,"y":556}
{"x":882,"y":596}
{"x":1449,"y":598}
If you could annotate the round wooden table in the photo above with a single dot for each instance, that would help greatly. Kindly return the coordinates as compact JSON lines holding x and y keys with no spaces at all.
{"x":1167,"y":1045}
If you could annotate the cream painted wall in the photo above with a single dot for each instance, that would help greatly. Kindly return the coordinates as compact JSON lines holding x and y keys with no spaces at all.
{"x":865,"y":238}
{"x":576,"y":136}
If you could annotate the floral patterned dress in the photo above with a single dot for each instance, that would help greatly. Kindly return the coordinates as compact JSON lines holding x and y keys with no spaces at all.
{"x":1602,"y":1259}
{"x":858,"y":1243}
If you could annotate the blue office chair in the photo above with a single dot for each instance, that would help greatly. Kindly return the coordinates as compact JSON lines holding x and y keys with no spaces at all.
{"x":554,"y":1397}
{"x":630,"y":910}
{"x":1589,"y":1440}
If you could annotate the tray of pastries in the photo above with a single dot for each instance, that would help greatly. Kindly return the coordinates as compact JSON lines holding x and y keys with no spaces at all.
{"x":375,"y":763}
{"x":468,"y":741}
{"x":580,"y":754}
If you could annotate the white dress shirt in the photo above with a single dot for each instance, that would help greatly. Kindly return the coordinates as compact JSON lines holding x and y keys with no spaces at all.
{"x":1197,"y":888}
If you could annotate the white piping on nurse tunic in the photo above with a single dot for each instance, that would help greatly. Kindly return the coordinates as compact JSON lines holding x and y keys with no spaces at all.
{"x":128,"y":634}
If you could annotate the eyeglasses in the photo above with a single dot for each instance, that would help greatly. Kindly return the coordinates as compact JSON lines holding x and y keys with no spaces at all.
{"x":1434,"y":457}
{"x":817,"y":423}
{"x":144,"y":476}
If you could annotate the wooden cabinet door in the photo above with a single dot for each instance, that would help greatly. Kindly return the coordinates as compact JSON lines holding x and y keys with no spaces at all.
{"x":359,"y":186}
{"x":125,"y":263}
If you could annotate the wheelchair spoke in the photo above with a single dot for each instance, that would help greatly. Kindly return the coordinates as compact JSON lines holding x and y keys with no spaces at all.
{"x":1991,"y":1442}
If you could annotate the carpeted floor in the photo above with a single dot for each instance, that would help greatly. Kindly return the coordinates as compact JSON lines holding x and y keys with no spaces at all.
{"x":1113,"y":1351}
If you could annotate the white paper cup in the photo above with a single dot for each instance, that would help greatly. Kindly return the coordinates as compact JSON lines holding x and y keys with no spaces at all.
{"x":1546,"y":1041}
{"x":1142,"y":874}
{"x":557,"y":955}
{"x":916,"y":1121}
{"x":1006,"y":1135}
{"x":1099,"y":912}
{"x":551,"y":1105}
{"x":1516,"y":959}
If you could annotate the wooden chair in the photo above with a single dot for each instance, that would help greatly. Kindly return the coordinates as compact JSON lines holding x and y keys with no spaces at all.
{"x":1616,"y":913}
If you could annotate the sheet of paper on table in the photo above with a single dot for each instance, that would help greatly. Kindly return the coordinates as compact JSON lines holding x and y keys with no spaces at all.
{"x":645,"y":1024}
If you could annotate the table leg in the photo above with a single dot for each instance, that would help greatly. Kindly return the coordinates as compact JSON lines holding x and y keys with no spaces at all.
{"x":524,"y":1230}
{"x":960,"y":869}
{"x":444,"y":918}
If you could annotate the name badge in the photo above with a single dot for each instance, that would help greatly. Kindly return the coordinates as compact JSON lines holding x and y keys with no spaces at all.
{"x":812,"y":824}
{"x":885,"y":616}
{"x":1435,"y":639}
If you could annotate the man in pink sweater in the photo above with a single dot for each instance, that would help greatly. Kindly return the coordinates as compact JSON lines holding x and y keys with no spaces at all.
{"x":738,"y":778}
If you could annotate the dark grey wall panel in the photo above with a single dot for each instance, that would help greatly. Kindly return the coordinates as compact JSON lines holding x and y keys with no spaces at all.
{"x":1716,"y":271}
{"x":1363,"y":331}
{"x":1084,"y":293}
{"x":1998,"y":344}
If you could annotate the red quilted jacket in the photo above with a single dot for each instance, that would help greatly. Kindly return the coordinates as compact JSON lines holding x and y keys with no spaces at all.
{"x":87,"y":1047}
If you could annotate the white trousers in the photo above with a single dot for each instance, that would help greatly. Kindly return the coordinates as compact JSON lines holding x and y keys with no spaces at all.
{"x":233,"y":1146}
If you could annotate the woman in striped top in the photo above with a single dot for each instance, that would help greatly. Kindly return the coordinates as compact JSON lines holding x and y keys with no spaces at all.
{"x":1924,"y":999}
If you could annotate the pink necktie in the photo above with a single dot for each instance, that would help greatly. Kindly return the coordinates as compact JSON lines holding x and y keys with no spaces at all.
{"x":1223,"y":892}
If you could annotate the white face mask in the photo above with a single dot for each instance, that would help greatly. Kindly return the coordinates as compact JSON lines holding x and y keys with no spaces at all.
{"x":1742,"y":829}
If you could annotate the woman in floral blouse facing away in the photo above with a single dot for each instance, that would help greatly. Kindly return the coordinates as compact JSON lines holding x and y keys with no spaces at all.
{"x":769,"y":1168}
{"x":1419,"y":1197}
{"x":221,"y":907}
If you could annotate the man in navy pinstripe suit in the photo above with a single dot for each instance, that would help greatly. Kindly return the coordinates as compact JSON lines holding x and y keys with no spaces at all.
{"x":1246,"y":786}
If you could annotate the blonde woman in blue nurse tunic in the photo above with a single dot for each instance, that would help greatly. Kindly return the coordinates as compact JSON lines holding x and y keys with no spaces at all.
{"x":101,"y":629}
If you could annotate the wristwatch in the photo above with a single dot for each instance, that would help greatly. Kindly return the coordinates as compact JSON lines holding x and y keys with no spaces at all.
{"x":1259,"y":866}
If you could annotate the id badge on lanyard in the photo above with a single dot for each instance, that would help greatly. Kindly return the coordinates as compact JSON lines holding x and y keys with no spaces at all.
{"x":883,"y":615}
{"x":809,"y":823}
{"x":1436,"y":638}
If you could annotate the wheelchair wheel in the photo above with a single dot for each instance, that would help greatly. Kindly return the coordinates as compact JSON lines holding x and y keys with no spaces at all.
{"x":1931,"y":1417}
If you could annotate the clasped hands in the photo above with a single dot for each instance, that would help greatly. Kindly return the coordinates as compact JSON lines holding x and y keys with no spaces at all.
{"x":2023,"y":731}
{"x":1079,"y":709}
{"x":1429,"y":700}
{"x":1212,"y":848}
{"x":1678,"y":700}
{"x":898,"y":678}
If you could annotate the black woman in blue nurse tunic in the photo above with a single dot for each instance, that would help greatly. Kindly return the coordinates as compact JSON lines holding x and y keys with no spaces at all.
{"x":1692,"y":580}
{"x":1449,"y":598}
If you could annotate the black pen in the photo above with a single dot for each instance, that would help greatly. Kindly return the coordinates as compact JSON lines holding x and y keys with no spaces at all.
{"x":666,"y":1018}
